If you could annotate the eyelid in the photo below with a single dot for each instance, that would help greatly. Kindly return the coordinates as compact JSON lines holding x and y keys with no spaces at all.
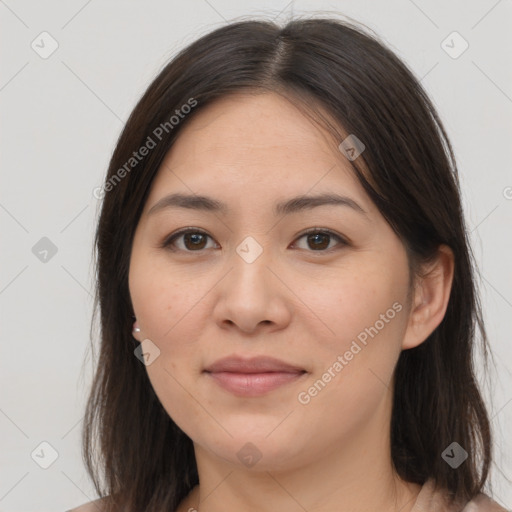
{"x":342,"y":241}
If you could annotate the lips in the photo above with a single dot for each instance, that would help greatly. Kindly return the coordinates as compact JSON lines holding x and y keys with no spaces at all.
{"x":252,"y":377}
{"x":260,"y":364}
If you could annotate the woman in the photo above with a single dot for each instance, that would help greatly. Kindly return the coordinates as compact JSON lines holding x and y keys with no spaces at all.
{"x":286,"y":291}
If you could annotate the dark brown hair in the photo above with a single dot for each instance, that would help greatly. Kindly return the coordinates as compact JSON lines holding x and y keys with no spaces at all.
{"x":133,"y":450}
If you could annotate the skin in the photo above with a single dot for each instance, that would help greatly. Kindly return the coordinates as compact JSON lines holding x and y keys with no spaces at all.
{"x":294,"y":302}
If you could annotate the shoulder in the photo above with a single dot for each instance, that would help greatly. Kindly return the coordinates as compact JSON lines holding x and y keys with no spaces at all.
{"x":482,"y":503}
{"x":432,"y":499}
{"x":93,"y":506}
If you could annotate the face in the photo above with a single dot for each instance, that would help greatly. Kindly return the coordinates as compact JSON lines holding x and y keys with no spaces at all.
{"x":320,"y":286}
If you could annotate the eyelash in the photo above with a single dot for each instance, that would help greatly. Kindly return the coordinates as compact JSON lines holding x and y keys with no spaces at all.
{"x":169,"y":241}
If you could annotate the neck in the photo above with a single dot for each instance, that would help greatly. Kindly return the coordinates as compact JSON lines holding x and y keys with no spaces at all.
{"x":270,"y":491}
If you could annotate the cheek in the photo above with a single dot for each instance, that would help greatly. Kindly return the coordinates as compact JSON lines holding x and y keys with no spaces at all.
{"x":166,"y":304}
{"x":161,"y":303}
{"x":162,"y":299}
{"x":353,"y":368}
{"x":359,"y":303}
{"x":363,"y":318}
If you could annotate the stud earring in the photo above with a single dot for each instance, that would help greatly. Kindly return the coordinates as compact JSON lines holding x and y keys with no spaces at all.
{"x":136,"y":328}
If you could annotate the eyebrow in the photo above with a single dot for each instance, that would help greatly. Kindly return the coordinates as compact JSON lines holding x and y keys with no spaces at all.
{"x":293,"y":205}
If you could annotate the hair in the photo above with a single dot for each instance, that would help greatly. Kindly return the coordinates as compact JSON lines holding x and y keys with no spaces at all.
{"x":134,"y":452}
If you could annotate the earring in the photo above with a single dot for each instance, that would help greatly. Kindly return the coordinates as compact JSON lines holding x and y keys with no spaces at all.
{"x":136,"y":328}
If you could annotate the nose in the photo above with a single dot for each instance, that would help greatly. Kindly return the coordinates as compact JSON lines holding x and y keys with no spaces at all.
{"x":253,"y":297}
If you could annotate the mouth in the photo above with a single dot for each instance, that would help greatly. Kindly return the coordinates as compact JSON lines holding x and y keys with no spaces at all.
{"x":253,"y":377}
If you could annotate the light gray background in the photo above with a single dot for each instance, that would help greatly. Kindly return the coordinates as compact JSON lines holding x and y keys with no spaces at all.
{"x":60,"y":118}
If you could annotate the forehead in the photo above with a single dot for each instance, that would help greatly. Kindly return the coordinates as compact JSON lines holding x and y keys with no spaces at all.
{"x":254,"y":118}
{"x":254,"y":144}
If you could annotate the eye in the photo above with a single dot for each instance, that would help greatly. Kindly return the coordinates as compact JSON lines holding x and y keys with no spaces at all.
{"x":319,"y":239}
{"x":194,"y":240}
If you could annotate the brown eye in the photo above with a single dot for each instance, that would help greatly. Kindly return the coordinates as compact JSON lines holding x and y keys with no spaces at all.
{"x":193,"y":240}
{"x":196,"y":240}
{"x":320,"y":240}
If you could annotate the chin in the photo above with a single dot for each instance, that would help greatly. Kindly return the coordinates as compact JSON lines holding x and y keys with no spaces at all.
{"x":259,"y":452}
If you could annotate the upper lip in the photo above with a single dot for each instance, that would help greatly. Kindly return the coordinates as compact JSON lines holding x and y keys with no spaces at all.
{"x":259,"y":364}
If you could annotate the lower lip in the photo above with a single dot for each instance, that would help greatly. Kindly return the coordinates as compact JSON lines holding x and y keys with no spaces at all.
{"x":253,"y":384}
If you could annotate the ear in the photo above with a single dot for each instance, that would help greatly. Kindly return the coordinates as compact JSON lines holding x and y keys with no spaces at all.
{"x":430,"y":298}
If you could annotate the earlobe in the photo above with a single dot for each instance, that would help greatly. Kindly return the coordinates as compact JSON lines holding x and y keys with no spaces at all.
{"x":430,"y":298}
{"x":136,"y":330}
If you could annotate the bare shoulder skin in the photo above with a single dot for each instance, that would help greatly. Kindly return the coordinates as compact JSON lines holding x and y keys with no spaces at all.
{"x":91,"y":506}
